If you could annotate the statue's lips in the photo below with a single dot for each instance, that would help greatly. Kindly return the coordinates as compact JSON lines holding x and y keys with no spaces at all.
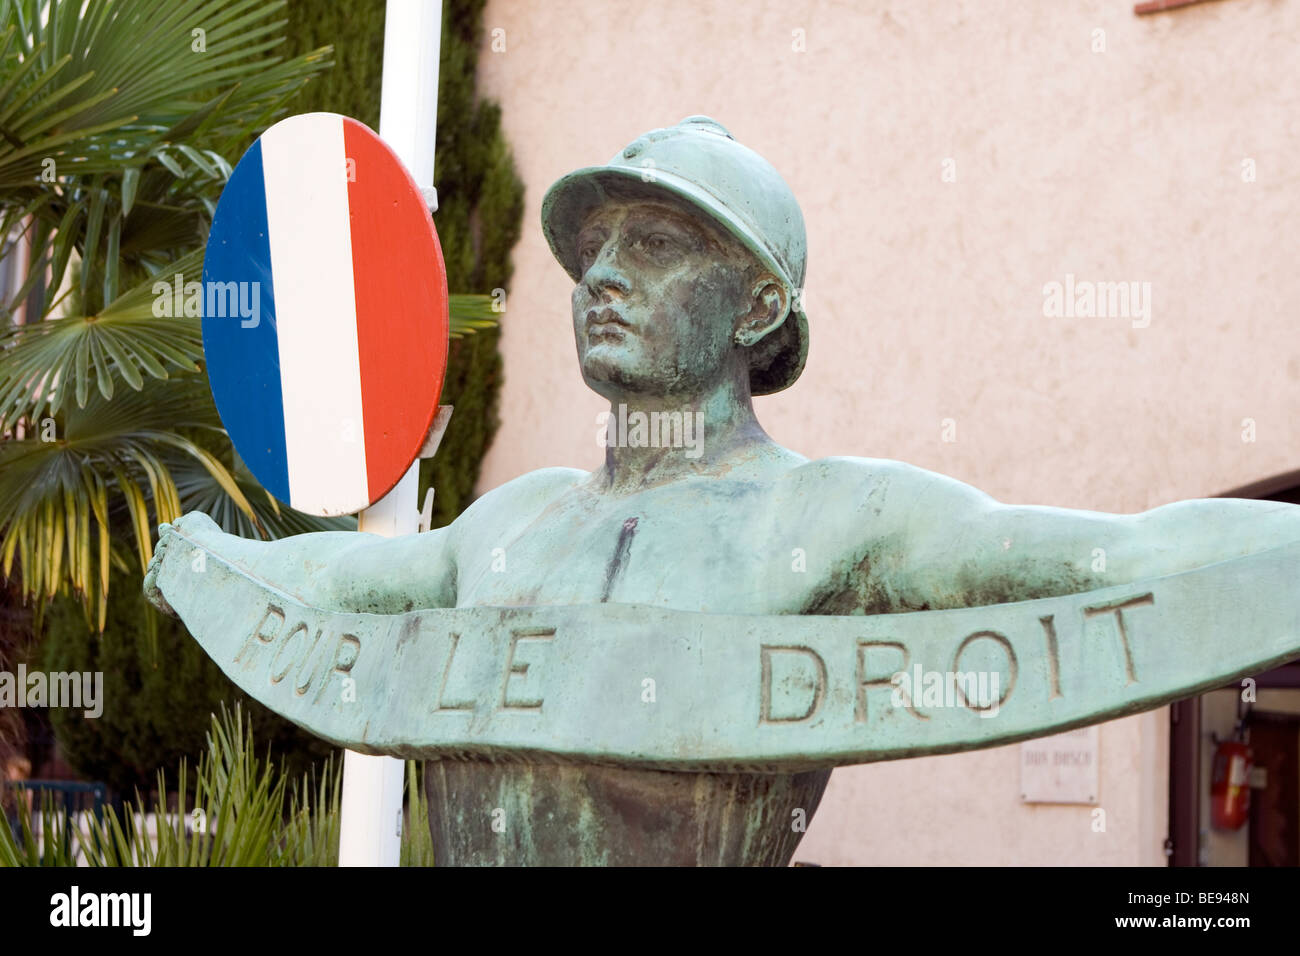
{"x":606,"y":323}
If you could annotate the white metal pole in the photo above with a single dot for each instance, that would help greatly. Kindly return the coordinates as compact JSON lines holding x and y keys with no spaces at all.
{"x":371,"y":827}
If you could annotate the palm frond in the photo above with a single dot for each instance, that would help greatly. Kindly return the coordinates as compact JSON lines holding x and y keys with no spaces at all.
{"x":93,"y":90}
{"x":95,"y":466}
{"x":46,"y":362}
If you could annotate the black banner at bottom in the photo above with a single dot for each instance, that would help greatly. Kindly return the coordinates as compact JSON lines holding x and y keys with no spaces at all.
{"x":377,"y":908}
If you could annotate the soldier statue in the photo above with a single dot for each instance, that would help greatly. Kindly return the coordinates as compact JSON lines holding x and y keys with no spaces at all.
{"x":688,"y":253}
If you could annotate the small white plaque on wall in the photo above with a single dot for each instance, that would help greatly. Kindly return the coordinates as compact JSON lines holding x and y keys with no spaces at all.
{"x":1061,"y":769}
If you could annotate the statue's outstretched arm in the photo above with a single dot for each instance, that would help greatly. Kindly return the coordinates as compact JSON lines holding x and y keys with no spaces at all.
{"x":977,"y":550}
{"x":332,"y":570}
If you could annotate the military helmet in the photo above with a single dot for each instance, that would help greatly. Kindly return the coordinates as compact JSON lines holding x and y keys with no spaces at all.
{"x":699,"y":162}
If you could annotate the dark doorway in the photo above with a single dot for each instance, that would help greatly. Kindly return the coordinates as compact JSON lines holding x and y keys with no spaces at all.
{"x":1275,"y":808}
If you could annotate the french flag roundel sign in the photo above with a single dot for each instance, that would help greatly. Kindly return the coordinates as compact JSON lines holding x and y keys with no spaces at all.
{"x":324,"y":314}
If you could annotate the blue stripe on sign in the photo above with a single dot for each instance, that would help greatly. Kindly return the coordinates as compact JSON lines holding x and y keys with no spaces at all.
{"x":243,"y":353}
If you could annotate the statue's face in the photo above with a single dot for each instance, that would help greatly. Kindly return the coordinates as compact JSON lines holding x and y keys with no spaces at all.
{"x":655,"y":310}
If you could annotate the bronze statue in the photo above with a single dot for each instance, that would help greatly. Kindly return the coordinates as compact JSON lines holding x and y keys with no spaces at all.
{"x":688,"y":256}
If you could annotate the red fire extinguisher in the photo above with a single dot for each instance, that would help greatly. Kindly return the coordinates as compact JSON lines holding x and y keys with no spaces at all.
{"x":1230,"y":785}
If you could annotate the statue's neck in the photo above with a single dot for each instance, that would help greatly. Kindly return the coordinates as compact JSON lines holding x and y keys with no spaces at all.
{"x":652,"y":440}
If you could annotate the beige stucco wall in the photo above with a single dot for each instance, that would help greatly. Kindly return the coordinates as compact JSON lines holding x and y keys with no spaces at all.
{"x":925,"y":297}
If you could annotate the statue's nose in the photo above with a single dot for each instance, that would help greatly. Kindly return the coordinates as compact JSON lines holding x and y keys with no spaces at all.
{"x":604,"y":279}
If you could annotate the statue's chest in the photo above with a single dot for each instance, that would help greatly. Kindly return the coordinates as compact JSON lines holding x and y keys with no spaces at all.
{"x":702,"y":547}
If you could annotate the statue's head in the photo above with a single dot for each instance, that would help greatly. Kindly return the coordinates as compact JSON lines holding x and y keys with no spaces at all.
{"x":688,"y":253}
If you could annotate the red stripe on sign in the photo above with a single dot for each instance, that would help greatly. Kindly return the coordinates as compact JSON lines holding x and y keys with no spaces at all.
{"x":398,"y":267}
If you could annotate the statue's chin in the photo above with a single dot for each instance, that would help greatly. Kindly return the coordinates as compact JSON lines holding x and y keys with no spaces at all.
{"x":609,"y":371}
{"x":618,"y":378}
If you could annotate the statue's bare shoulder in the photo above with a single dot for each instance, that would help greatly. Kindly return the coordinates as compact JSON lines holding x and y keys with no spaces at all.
{"x":906,"y":538}
{"x":855,"y":525}
{"x":850,"y":470}
{"x":513,"y":504}
{"x":879,"y":489}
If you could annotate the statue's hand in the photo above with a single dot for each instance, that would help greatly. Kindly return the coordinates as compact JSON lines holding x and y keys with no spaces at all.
{"x":170,"y":542}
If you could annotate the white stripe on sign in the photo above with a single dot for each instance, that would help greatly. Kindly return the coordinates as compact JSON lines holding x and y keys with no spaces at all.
{"x":315,"y":304}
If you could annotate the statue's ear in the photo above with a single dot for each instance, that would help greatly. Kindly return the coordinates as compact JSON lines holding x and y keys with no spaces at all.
{"x":769,"y":305}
